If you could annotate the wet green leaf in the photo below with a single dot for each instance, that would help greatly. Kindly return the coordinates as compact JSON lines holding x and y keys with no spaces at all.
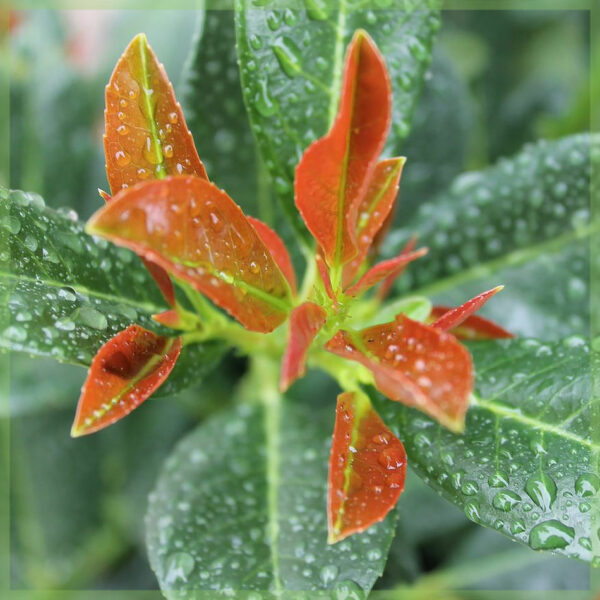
{"x":526,"y":463}
{"x":525,"y":219}
{"x":240,"y":505}
{"x":68,"y":293}
{"x":291,"y":65}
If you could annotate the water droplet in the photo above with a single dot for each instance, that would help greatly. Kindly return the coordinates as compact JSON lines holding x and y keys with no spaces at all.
{"x":288,"y":56}
{"x":273,"y":21}
{"x":255,"y":42}
{"x":122,"y":158}
{"x":30,"y":242}
{"x":348,"y":590}
{"x":587,"y":485}
{"x":517,"y":526}
{"x":498,"y":479}
{"x":122,"y":129}
{"x":318,"y":10}
{"x":263,"y":102}
{"x":168,"y":150}
{"x":91,"y":317}
{"x":179,"y":566}
{"x":151,"y":151}
{"x":469,"y":488}
{"x":506,"y":500}
{"x":550,"y":535}
{"x":328,"y":574}
{"x":541,"y":488}
{"x":472,"y":510}
{"x":65,"y":324}
{"x":173,"y":118}
{"x":15,"y":333}
{"x":11,"y":223}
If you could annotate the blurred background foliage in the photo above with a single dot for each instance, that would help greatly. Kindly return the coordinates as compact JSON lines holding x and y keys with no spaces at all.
{"x":499,"y":79}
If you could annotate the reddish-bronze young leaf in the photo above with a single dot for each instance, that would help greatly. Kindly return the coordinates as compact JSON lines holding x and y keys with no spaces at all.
{"x":455,"y":316}
{"x":306,"y":321}
{"x":386,"y":268}
{"x":278,"y":250}
{"x":388,"y":282}
{"x":416,"y":364}
{"x":160,"y":276}
{"x":334,"y":171}
{"x":367,"y":468}
{"x":473,"y":327}
{"x":145,"y":133}
{"x":373,"y":211}
{"x":124,"y":373}
{"x":197,"y":233}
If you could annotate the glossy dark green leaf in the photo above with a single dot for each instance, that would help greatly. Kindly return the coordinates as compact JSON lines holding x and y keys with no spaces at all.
{"x":240,"y":505}
{"x":68,"y":293}
{"x":526,"y":464}
{"x":216,"y":113}
{"x":526,"y":218}
{"x":291,"y":63}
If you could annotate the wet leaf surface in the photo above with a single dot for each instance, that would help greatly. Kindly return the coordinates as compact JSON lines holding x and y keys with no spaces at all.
{"x":526,"y":464}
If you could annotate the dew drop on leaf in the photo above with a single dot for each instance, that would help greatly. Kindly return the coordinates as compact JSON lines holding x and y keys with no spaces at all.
{"x":550,"y":535}
{"x":587,"y":485}
{"x":541,"y":488}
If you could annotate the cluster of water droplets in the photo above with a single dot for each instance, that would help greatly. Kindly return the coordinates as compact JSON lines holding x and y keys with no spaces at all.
{"x":524,"y":465}
{"x":68,"y":292}
{"x":530,"y":198}
{"x":209,"y":523}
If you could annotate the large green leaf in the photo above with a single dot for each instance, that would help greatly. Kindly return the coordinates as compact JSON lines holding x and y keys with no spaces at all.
{"x":68,"y":293}
{"x":291,"y":66}
{"x":525,"y":219}
{"x":526,"y":464}
{"x":241,"y":505}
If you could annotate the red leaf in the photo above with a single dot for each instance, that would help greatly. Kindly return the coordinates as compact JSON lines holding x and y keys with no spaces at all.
{"x":455,"y":316}
{"x":388,"y":282}
{"x":124,"y":373}
{"x":306,"y":321}
{"x":473,"y":327}
{"x":197,"y":233}
{"x":177,"y":319}
{"x":160,"y":276}
{"x":386,"y":268}
{"x":374,"y":210}
{"x":415,"y":364}
{"x":145,"y":133}
{"x":367,"y":468}
{"x":334,"y":171}
{"x":278,"y":250}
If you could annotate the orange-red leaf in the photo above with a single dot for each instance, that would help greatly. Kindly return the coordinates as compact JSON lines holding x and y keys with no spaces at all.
{"x":197,"y":233}
{"x":416,"y":364}
{"x":453,"y":317}
{"x":388,"y":282}
{"x":124,"y":373}
{"x":306,"y":321}
{"x":367,"y":468}
{"x":278,"y":250}
{"x":384,"y":269}
{"x":334,"y":171}
{"x":160,"y":276}
{"x":145,"y":133}
{"x":374,"y":210}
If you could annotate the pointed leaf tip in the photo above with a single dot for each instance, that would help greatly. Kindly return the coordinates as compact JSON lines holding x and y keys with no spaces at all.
{"x":455,"y":317}
{"x":124,"y":373}
{"x":145,"y":135}
{"x":367,"y":468}
{"x":333,"y":173}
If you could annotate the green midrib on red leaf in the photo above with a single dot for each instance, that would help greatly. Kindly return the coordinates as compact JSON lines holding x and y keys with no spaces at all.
{"x":160,"y":171}
{"x":141,"y":374}
{"x":361,"y":407}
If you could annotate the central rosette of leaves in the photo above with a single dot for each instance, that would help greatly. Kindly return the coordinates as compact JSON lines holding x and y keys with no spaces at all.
{"x":190,"y":232}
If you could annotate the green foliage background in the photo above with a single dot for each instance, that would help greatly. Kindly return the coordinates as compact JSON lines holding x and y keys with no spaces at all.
{"x":498,"y":81}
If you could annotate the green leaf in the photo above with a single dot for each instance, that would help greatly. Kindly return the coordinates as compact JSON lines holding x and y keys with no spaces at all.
{"x":291,"y":66}
{"x":68,"y":293}
{"x":526,"y":463}
{"x":216,"y":112}
{"x":241,"y":505}
{"x":524,"y":219}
